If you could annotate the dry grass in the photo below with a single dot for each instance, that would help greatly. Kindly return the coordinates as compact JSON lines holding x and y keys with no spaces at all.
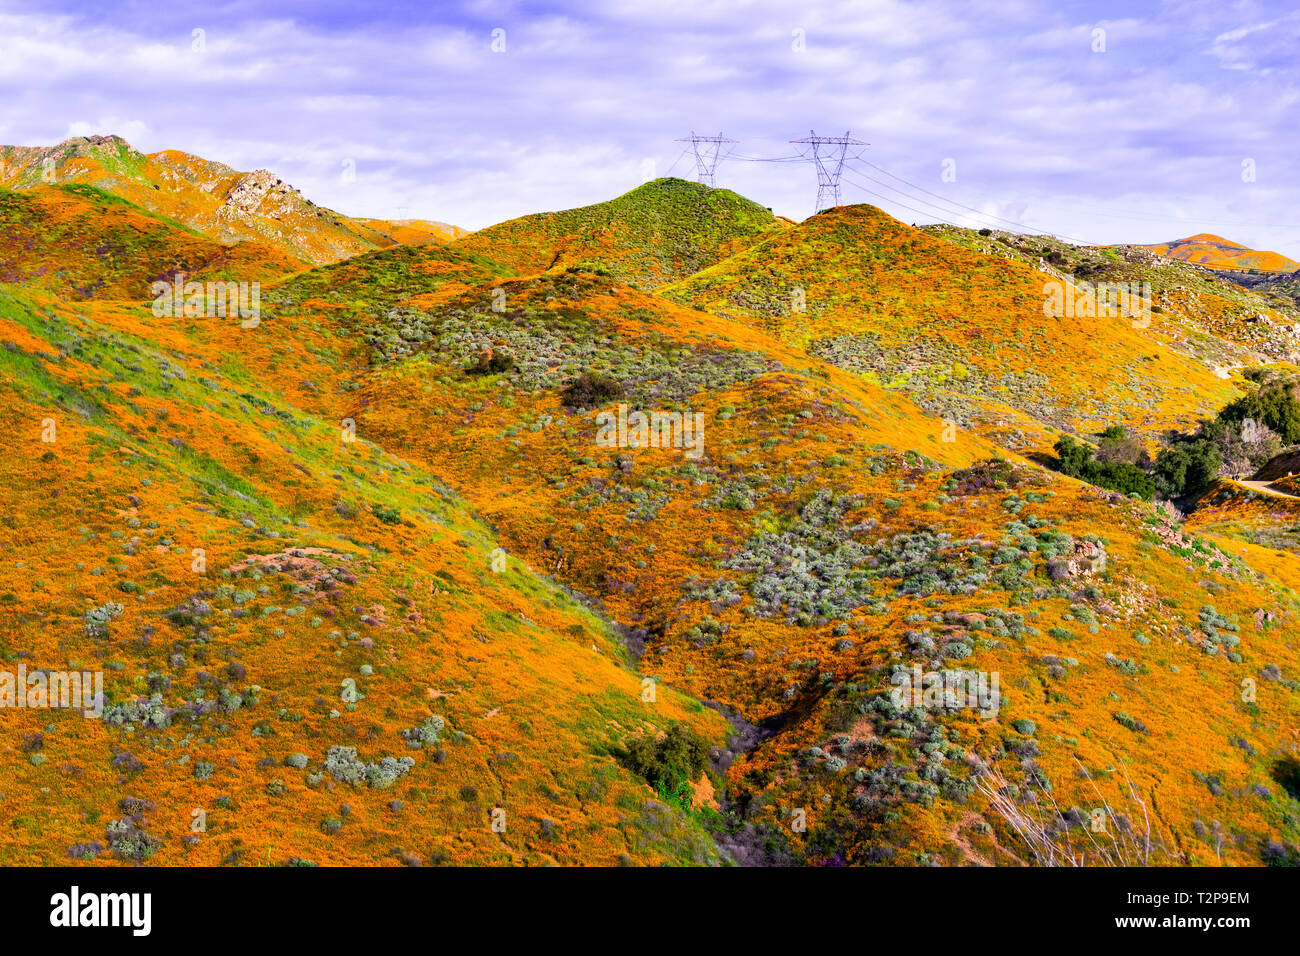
{"x":1051,"y":840}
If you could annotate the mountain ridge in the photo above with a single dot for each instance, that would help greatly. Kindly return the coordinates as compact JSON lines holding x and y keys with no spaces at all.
{"x":225,"y":204}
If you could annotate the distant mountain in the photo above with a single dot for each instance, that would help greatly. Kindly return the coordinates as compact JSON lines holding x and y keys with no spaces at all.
{"x":1219,"y":253}
{"x":221,"y":202}
{"x":655,"y":234}
{"x":411,"y":232}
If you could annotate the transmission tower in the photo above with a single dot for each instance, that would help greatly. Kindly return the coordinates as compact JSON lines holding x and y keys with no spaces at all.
{"x":828,"y":154}
{"x":706,"y":154}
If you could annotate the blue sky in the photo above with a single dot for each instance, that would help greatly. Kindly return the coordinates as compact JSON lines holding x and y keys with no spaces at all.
{"x":1175,"y":118}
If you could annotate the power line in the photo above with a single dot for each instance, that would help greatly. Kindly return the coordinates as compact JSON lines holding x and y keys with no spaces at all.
{"x":706,"y":159}
{"x":895,"y":202}
{"x":684,"y":151}
{"x":830,"y":168}
{"x":1091,"y":212}
{"x":830,"y":165}
{"x":1023,"y":228}
{"x":797,"y":158}
{"x":971,"y":209}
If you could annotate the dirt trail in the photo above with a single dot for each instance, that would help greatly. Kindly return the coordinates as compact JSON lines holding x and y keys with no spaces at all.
{"x":1263,"y":487}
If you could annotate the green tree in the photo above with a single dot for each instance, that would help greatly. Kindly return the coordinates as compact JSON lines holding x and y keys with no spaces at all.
{"x":1187,"y":468}
{"x":1075,"y":457}
{"x":670,"y":763}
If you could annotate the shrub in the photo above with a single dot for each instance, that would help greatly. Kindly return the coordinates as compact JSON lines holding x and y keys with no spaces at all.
{"x":426,"y":734}
{"x":1116,"y":445}
{"x":343,"y":764}
{"x":384,"y":773}
{"x":1186,"y":468}
{"x":386,"y":514}
{"x":1243,"y":448}
{"x":1076,"y":460}
{"x":492,"y":363}
{"x":346,"y":767}
{"x":129,"y":842}
{"x":1273,"y":404}
{"x":669,"y":763}
{"x":97,"y":618}
{"x":1132,"y":723}
{"x":591,"y":389}
{"x":1026,"y":727}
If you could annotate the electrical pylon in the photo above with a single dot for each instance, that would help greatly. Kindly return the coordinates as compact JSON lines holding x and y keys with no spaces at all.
{"x":829,"y":164}
{"x":706,"y":159}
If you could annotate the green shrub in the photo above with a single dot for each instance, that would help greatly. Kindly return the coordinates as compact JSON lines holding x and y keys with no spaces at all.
{"x":386,"y":514}
{"x":1076,"y":460}
{"x":669,"y":763}
{"x":1187,"y":468}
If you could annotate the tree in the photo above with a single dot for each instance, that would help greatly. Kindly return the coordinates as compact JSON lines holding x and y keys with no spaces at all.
{"x":670,"y":763}
{"x":1074,"y":456}
{"x":1114,"y":473}
{"x":1273,"y":404}
{"x":1244,"y":447}
{"x":1117,"y":445}
{"x":1186,"y":468}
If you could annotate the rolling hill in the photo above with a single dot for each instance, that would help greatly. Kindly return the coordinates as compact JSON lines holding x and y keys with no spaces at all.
{"x":965,"y":332}
{"x":1215,"y":252}
{"x":308,"y":639}
{"x":373,"y":582}
{"x":222,"y":203}
{"x":86,"y":243}
{"x":1223,"y":319}
{"x":657,"y":233}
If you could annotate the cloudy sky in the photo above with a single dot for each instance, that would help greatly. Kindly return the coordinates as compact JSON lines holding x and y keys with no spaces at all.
{"x":1100,"y":121}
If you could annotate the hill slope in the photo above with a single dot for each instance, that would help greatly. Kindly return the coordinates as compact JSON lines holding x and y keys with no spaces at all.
{"x":828,"y":534}
{"x":392,"y":501}
{"x":658,"y":232}
{"x":85,"y":243}
{"x":956,"y":328}
{"x":1224,"y":319}
{"x":308,"y":639}
{"x":1215,"y":252}
{"x":222,"y":203}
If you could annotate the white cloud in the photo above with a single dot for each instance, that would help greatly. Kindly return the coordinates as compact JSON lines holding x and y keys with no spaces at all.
{"x":1038,"y":124}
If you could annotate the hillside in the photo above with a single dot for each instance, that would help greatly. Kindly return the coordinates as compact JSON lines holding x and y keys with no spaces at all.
{"x":1282,"y":287}
{"x":963,"y":332}
{"x":222,"y":203}
{"x":389,"y":517}
{"x":1215,"y":252}
{"x":415,"y":275}
{"x":412,"y":232}
{"x":258,"y":593}
{"x":1220,"y":318}
{"x":655,"y":234}
{"x":85,"y":243}
{"x":832,"y":535}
